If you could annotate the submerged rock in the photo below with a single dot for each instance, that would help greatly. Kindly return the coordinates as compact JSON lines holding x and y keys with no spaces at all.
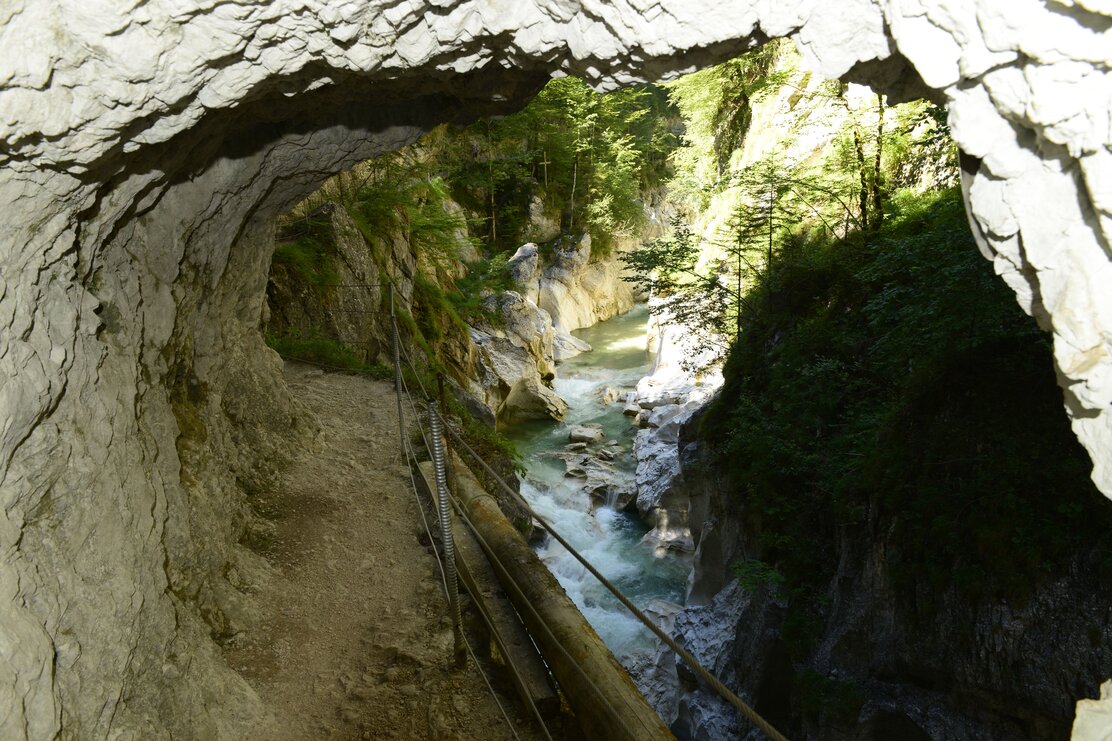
{"x":586,"y":433}
{"x":565,"y":345}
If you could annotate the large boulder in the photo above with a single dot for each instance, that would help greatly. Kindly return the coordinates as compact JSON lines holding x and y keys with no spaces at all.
{"x":540,"y":226}
{"x":531,"y":399}
{"x":586,"y":433}
{"x":524,"y":270}
{"x":597,"y":476}
{"x":565,"y":345}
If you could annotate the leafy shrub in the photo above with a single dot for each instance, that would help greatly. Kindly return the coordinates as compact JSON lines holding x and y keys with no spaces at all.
{"x":316,"y":349}
{"x":753,"y":574}
{"x":895,"y":377}
{"x":305,"y":250}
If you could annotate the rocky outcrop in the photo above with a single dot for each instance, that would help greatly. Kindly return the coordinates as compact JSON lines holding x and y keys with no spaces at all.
{"x":540,"y":226}
{"x":579,"y":292}
{"x":350,"y":309}
{"x":516,"y":359}
{"x":147,"y":149}
{"x":595,"y":474}
{"x":524,"y":269}
{"x":663,"y":402}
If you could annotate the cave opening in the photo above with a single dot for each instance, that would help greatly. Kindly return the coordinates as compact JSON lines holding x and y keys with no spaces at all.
{"x":146,"y":156}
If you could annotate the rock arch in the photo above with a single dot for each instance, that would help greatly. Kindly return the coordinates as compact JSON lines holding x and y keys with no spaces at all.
{"x":148,"y":146}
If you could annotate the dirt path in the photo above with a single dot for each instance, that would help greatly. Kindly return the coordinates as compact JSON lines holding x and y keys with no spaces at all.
{"x":355,"y":642}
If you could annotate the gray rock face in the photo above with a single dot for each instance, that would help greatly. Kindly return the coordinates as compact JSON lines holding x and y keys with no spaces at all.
{"x":524,"y":268}
{"x":935,"y":664}
{"x":578,"y":292}
{"x":147,"y":149}
{"x":516,"y":358}
{"x":540,"y":226}
{"x":565,"y":345}
{"x":531,"y":399}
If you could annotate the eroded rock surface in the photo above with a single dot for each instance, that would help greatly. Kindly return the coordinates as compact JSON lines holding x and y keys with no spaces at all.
{"x":516,"y":359}
{"x":578,"y":291}
{"x":147,"y":148}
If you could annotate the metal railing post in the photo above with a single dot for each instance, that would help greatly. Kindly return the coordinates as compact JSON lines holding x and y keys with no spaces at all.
{"x":444,"y":510}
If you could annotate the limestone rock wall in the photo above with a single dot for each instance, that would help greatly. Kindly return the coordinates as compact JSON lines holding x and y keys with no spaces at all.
{"x":516,"y":363}
{"x":578,"y":291}
{"x":148,"y":145}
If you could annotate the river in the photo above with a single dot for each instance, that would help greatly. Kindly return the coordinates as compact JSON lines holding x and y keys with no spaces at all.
{"x":609,"y":539}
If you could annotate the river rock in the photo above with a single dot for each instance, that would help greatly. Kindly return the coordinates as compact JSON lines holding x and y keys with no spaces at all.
{"x":609,"y":395}
{"x":605,"y":484}
{"x":653,"y":392}
{"x":531,"y":399}
{"x":566,"y":345}
{"x":631,"y":407}
{"x":668,"y":535}
{"x":608,"y":486}
{"x":586,"y":433}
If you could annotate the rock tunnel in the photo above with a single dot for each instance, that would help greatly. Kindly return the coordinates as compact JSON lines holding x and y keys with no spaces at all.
{"x":148,"y":148}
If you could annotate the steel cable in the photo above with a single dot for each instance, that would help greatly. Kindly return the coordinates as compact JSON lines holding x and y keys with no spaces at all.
{"x":725,"y":692}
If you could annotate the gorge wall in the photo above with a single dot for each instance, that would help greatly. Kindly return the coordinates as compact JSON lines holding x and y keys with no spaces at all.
{"x":148,"y":147}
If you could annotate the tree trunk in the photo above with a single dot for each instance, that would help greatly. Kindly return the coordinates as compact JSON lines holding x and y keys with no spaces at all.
{"x":878,"y":203}
{"x":574,"y":179}
{"x":862,"y":168}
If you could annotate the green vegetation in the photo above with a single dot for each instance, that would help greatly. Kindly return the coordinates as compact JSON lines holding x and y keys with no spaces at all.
{"x":483,"y":276}
{"x":305,"y":251}
{"x":315,"y":349}
{"x":753,"y":574}
{"x":586,"y":156}
{"x":716,"y":105}
{"x":828,"y":701}
{"x":893,"y":379}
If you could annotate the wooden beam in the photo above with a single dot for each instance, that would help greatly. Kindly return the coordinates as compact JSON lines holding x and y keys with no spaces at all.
{"x":606,"y":702}
{"x":527,"y":670}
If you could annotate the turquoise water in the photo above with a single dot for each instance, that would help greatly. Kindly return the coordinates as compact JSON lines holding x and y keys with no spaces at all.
{"x":609,"y":539}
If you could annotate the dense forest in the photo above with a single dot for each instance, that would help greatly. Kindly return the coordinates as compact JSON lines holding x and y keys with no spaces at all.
{"x":883,"y":393}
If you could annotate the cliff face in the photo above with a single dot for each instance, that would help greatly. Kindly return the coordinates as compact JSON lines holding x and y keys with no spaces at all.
{"x":882,"y":662}
{"x":147,"y":149}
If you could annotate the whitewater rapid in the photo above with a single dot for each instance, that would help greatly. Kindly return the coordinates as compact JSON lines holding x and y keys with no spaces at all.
{"x":609,"y":539}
